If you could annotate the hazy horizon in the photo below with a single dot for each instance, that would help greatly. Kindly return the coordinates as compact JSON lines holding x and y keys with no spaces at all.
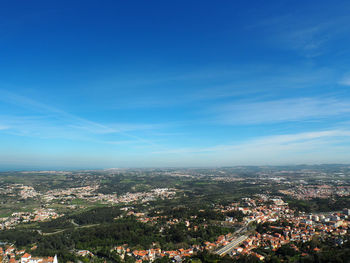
{"x":70,"y":169}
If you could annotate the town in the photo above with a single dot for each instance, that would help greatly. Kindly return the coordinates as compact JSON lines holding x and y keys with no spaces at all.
{"x":286,"y":227}
{"x":185,"y":213}
{"x":66,"y":195}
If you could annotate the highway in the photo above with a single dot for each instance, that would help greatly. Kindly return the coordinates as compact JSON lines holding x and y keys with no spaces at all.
{"x":233,"y":244}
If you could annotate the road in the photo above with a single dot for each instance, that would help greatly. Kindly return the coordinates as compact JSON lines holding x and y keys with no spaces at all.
{"x":62,"y":230}
{"x":233,"y":244}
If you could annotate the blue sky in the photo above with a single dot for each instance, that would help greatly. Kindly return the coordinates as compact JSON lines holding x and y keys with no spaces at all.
{"x":95,"y":84}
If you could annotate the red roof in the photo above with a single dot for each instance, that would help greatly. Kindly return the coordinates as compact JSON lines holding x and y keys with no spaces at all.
{"x":26,"y":255}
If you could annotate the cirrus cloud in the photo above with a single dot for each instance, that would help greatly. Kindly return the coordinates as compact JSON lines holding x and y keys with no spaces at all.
{"x":283,"y":110}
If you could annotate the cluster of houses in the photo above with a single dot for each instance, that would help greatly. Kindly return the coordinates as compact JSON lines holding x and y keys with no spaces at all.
{"x":9,"y":254}
{"x":305,"y":192}
{"x":154,"y":253}
{"x":64,"y":194}
{"x":301,"y":228}
{"x":179,"y":254}
{"x":37,"y":215}
{"x":88,"y":193}
{"x":286,"y":227}
{"x":162,"y":193}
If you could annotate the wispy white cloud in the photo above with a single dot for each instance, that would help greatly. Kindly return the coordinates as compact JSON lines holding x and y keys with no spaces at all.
{"x":219,"y":83}
{"x":309,"y":40}
{"x":345,"y":81}
{"x":309,"y":36}
{"x":308,"y":147}
{"x":51,"y":122}
{"x":267,"y":141}
{"x":283,"y":110}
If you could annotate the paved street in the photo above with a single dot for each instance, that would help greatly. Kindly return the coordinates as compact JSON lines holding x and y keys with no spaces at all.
{"x":233,"y":244}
